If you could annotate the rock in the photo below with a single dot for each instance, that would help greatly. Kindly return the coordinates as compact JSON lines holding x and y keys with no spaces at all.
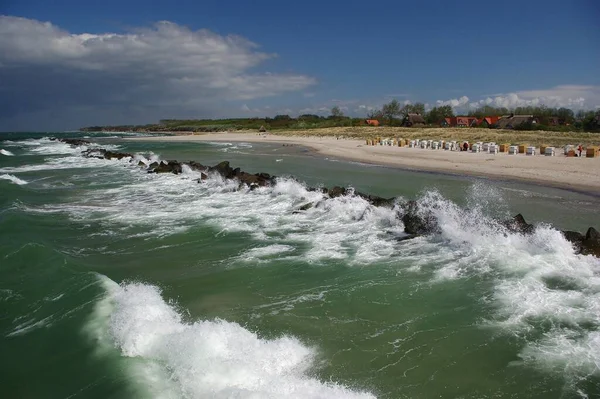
{"x":418,"y":221}
{"x":518,"y":225}
{"x":574,"y":238}
{"x":195,"y":166}
{"x":75,"y":142}
{"x":337,"y":192}
{"x":117,"y":155}
{"x":223,"y":169}
{"x":303,"y":208}
{"x":153,"y":165}
{"x":142,"y":163}
{"x":322,"y":190}
{"x":377,"y":201}
{"x":591,"y":244}
{"x":169,"y":167}
{"x":203,"y":176}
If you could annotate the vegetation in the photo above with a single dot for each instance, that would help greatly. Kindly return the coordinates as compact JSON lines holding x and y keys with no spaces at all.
{"x":391,"y":114}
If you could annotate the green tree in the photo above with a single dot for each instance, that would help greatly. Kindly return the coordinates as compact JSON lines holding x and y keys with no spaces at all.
{"x":437,"y":114}
{"x":391,"y":110}
{"x":416,"y":108}
{"x":336,"y":112}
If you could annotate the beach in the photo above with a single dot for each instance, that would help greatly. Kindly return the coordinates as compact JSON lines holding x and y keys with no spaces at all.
{"x":581,"y":174}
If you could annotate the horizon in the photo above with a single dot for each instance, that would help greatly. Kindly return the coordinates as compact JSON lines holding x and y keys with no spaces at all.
{"x":68,"y":65}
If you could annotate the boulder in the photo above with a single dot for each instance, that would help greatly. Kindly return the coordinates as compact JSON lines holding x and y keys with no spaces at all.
{"x":337,"y":191}
{"x":591,"y":243}
{"x":377,"y":201}
{"x":169,"y":167}
{"x":575,"y":238}
{"x":223,"y":169}
{"x":418,"y":221}
{"x":75,"y":142}
{"x":142,"y":163}
{"x":196,"y":166}
{"x":518,"y":225}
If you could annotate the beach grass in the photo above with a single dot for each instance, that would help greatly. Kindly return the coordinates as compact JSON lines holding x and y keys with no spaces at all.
{"x":534,"y":138}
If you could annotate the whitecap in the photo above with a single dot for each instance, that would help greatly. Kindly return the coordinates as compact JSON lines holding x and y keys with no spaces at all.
{"x":7,"y":153}
{"x":13,"y":179}
{"x":205,"y":358}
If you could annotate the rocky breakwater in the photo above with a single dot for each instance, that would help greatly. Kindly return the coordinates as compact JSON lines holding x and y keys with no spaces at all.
{"x":418,"y":220}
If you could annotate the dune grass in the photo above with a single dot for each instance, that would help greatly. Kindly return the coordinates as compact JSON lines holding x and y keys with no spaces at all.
{"x":534,"y":138}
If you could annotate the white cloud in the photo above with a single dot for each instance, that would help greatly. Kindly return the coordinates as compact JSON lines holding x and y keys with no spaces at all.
{"x":454,"y":103}
{"x":166,"y":65}
{"x":570,"y":96}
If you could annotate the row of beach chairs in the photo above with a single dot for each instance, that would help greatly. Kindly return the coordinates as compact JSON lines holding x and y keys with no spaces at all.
{"x":482,"y":147}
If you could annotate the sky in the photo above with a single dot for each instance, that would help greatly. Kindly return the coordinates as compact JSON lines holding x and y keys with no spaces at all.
{"x":66,"y":64}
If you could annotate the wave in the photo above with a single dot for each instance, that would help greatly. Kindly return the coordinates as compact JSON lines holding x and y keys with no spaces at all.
{"x":542,"y":291}
{"x":13,"y":179}
{"x":207,"y":358}
{"x":7,"y":153}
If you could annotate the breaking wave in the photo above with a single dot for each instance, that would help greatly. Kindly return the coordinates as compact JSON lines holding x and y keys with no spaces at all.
{"x":206,"y":358}
{"x":542,"y":291}
{"x":13,"y":179}
{"x":7,"y":153}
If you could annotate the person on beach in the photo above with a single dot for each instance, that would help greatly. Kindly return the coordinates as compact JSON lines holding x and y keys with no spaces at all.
{"x":465,"y":146}
{"x":580,"y":149}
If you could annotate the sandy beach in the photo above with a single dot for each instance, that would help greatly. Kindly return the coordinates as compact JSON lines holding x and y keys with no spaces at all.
{"x":581,"y":174}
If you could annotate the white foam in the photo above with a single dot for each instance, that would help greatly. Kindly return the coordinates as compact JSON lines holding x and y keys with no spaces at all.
{"x":7,"y":153}
{"x":521,"y":268}
{"x":267,"y":251}
{"x":540,"y":284}
{"x":13,"y":179}
{"x":209,"y":358}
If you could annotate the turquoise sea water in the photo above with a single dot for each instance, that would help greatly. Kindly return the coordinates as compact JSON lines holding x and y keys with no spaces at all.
{"x":116,"y":283}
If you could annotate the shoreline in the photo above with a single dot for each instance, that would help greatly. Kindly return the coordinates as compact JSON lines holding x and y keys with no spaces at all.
{"x":555,"y":172}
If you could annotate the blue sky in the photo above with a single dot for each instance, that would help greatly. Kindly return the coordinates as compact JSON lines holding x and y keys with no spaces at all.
{"x":64,"y":64}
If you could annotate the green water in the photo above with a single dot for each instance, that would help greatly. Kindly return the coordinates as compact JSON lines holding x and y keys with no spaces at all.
{"x":472,"y":312}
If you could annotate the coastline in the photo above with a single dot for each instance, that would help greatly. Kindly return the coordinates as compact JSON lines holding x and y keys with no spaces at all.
{"x":574,"y":174}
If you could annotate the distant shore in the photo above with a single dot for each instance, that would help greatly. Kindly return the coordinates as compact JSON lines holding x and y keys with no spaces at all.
{"x":580,"y":174}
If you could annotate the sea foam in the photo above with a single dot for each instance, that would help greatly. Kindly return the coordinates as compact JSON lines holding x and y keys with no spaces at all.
{"x":7,"y":153}
{"x":13,"y":179}
{"x":206,"y":358}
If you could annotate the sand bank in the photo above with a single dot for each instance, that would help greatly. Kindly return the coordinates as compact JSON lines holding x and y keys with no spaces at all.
{"x":581,"y":174}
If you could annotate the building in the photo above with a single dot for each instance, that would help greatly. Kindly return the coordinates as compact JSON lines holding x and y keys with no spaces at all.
{"x":488,"y":121}
{"x":413,"y":120}
{"x":511,"y":121}
{"x":460,"y":121}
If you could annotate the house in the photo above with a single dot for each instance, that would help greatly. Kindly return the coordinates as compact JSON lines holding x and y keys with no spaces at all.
{"x":488,"y":121}
{"x":372,"y":122}
{"x":460,"y":121}
{"x":413,"y":120}
{"x":511,"y":121}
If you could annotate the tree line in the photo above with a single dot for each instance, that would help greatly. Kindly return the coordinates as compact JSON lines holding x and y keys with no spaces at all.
{"x":390,"y":114}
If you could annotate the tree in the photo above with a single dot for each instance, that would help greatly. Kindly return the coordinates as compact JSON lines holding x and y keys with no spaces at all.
{"x":391,"y":110}
{"x":375,"y":114}
{"x":565,"y":115}
{"x":336,"y":112}
{"x":436,"y":114}
{"x":416,"y":108}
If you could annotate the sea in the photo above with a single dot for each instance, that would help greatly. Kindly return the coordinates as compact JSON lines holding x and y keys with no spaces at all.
{"x":117,"y":283}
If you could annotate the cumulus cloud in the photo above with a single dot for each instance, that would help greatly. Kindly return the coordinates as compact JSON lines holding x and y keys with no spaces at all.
{"x":570,"y":96}
{"x":44,"y":68}
{"x":454,"y":103}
